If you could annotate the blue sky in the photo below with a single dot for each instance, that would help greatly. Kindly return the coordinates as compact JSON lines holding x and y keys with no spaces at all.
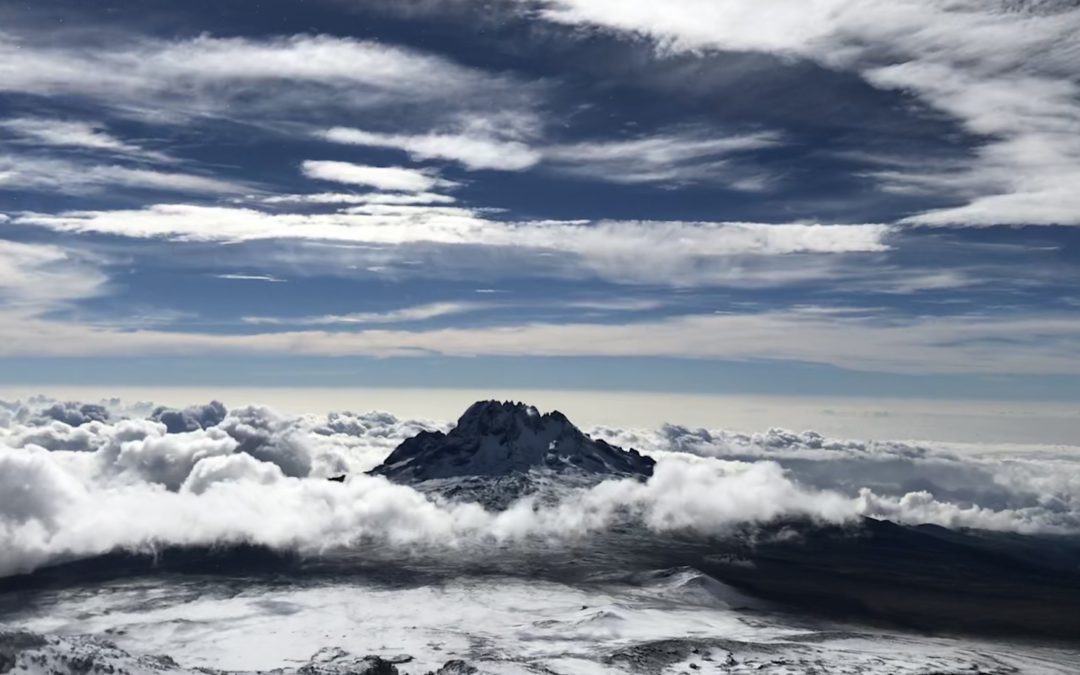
{"x":854,"y":198}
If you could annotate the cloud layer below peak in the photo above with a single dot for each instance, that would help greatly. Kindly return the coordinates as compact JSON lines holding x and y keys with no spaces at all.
{"x":82,"y":480}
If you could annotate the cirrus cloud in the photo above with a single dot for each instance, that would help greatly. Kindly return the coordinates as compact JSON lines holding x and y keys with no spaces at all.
{"x":379,"y":177}
{"x":273,"y":77}
{"x":1004,"y":70}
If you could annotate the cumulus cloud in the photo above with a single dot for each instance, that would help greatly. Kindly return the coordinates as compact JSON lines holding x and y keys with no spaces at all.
{"x":75,"y":414}
{"x":57,"y":435}
{"x":895,"y":481}
{"x":269,"y":437}
{"x":1019,"y":489}
{"x":921,"y":507}
{"x":230,"y":469}
{"x":191,"y":418}
{"x":35,"y":489}
{"x":168,"y":459}
{"x":227,"y":500}
{"x":144,"y":488}
{"x":165,"y":446}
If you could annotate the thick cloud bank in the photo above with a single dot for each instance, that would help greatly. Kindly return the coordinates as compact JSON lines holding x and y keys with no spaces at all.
{"x":78,"y":480}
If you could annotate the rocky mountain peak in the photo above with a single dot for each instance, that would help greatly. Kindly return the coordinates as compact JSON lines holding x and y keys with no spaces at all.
{"x":498,"y":439}
{"x":506,"y":418}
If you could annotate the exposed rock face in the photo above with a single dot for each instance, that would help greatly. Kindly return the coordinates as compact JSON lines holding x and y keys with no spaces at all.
{"x":495,"y":440}
{"x":336,"y":661}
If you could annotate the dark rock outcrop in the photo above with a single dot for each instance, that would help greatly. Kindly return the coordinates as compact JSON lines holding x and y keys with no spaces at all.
{"x":499,"y":439}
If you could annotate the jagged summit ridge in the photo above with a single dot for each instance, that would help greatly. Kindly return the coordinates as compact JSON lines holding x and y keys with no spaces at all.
{"x":494,"y":439}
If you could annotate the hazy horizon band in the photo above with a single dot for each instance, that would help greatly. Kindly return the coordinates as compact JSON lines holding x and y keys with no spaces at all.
{"x":957,"y":421}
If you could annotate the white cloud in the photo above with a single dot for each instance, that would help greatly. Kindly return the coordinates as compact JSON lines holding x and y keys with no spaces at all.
{"x":679,"y":253}
{"x":1020,"y":490}
{"x":672,"y":158}
{"x":787,"y":26}
{"x":228,"y":501}
{"x":412,"y":211}
{"x":615,"y":304}
{"x":367,"y":198}
{"x":251,"y":277}
{"x":271,"y":437}
{"x":1027,"y":175}
{"x":44,"y":131}
{"x":666,"y":158}
{"x":1007,"y":73}
{"x":168,"y":459}
{"x":229,"y":469}
{"x":414,"y":313}
{"x":1042,"y":343}
{"x":379,"y":177}
{"x":167,"y":79}
{"x":136,"y":486}
{"x":462,"y":226}
{"x":920,"y":345}
{"x":35,"y":279}
{"x":73,"y":177}
{"x":268,"y":83}
{"x":473,"y":152}
{"x":440,"y":309}
{"x":35,"y":488}
{"x":39,"y":277}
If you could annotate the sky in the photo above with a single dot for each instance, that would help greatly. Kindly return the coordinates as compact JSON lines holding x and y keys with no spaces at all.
{"x":868,"y":199}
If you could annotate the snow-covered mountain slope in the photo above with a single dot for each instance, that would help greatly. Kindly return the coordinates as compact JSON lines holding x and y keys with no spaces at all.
{"x":657,"y":622}
{"x":506,"y":440}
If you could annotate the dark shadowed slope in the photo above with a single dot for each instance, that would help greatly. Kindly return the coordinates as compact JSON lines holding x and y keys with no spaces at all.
{"x":924,"y":576}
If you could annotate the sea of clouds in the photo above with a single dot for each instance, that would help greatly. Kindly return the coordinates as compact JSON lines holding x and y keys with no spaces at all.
{"x":78,"y":480}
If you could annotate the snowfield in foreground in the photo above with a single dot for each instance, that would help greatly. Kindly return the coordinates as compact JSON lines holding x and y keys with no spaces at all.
{"x":676,"y":621}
